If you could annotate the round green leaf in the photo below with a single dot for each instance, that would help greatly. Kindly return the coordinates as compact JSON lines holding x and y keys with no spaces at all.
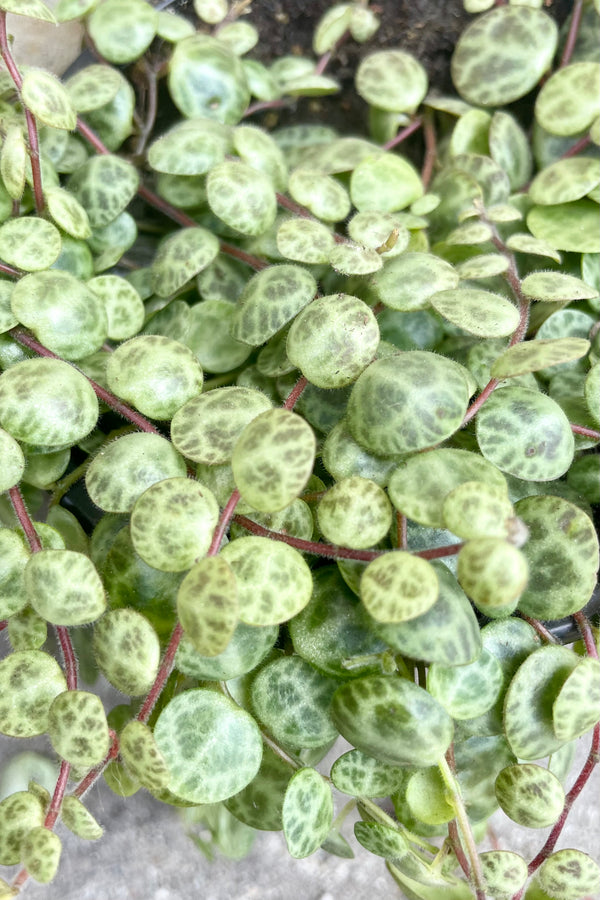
{"x":562,"y":552}
{"x":385,"y":183}
{"x":478,"y":509}
{"x":29,"y":243}
{"x":48,"y":99}
{"x":19,"y":813}
{"x":478,"y":312}
{"x":567,"y":226}
{"x":565,"y":180}
{"x":509,"y":147}
{"x":180,"y":257}
{"x":355,"y":512}
{"x":259,"y":150}
{"x":79,"y":820}
{"x":29,"y":682}
{"x":124,"y":308}
{"x":93,"y":87}
{"x":206,"y":428}
{"x":133,"y":668}
{"x":13,"y":161}
{"x":516,"y":43}
{"x":46,"y":402}
{"x":246,"y":649}
{"x":192,"y":147}
{"x":466,"y":691}
{"x":14,"y":553}
{"x":504,"y":872}
{"x":379,"y":231}
{"x":40,"y":853}
{"x":333,"y":339}
{"x":529,"y":699}
{"x":525,"y":243}
{"x":64,"y":587}
{"x":207,"y":605}
{"x":493,"y":573}
{"x":393,"y":720}
{"x":418,"y":486}
{"x":360,"y":775}
{"x":485,"y":265}
{"x":142,"y":757}
{"x":536,"y":441}
{"x":273,"y":580}
{"x":331,"y":26}
{"x":209,"y":336}
{"x":569,"y":875}
{"x":172,"y":523}
{"x":242,"y":197}
{"x":13,"y":461}
{"x":305,"y":241}
{"x":307,"y":812}
{"x":291,"y":700}
{"x":344,"y":458}
{"x":206,"y":79}
{"x":568,"y":102}
{"x":211,"y":747}
{"x":382,"y":840}
{"x":34,"y":9}
{"x":389,"y":407}
{"x":451,"y":619}
{"x":78,"y":729}
{"x":351,"y":259}
{"x":397,"y":587}
{"x":577,"y":706}
{"x":125,"y":468}
{"x":104,"y":185}
{"x":409,"y":281}
{"x":265,"y":476}
{"x":122,"y":30}
{"x":62,"y":312}
{"x":325,"y":197}
{"x":260,"y":804}
{"x":530,"y":795}
{"x":392,"y":80}
{"x":27,"y":630}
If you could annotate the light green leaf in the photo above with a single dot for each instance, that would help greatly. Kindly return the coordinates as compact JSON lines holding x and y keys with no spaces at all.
{"x":172,"y":27}
{"x":384,"y":183}
{"x":64,"y":587}
{"x":530,"y":795}
{"x":274,"y":582}
{"x":525,"y":243}
{"x":567,"y":226}
{"x":307,"y":812}
{"x":565,"y":180}
{"x":569,"y":875}
{"x":556,"y":286}
{"x":360,"y":775}
{"x":330,"y":27}
{"x":509,"y":147}
{"x":211,"y":747}
{"x":78,"y":729}
{"x":242,"y":197}
{"x":532,"y":356}
{"x":13,"y":461}
{"x":562,"y":552}
{"x":137,"y":640}
{"x":537,"y":441}
{"x":392,"y":719}
{"x":122,"y":30}
{"x":519,"y":43}
{"x":493,"y":573}
{"x":19,"y":813}
{"x":67,"y":212}
{"x":382,"y":840}
{"x":29,"y":682}
{"x":33,"y":9}
{"x":304,"y":241}
{"x":355,"y":512}
{"x":104,"y":186}
{"x":397,"y":587}
{"x":466,"y":691}
{"x":504,"y":872}
{"x":211,"y":11}
{"x":269,"y":300}
{"x":393,"y":80}
{"x":351,"y":259}
{"x":142,"y":757}
{"x":206,"y":79}
{"x":246,"y":649}
{"x":40,"y":853}
{"x":427,"y":798}
{"x":124,"y":308}
{"x":93,"y":87}
{"x":29,"y":243}
{"x":577,"y":705}
{"x":207,"y":605}
{"x":325,"y":197}
{"x":13,"y":161}
{"x":569,"y":101}
{"x":192,"y":147}
{"x":264,"y":475}
{"x":409,"y":281}
{"x":48,"y":100}
{"x":79,"y":820}
{"x":478,"y":312}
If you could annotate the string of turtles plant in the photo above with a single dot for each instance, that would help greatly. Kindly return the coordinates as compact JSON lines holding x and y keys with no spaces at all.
{"x":340,"y":434}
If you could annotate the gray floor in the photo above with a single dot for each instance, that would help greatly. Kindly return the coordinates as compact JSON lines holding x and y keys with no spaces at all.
{"x":145,"y":855}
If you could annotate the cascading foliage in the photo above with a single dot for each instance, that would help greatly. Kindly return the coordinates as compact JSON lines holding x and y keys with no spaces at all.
{"x":351,"y":485}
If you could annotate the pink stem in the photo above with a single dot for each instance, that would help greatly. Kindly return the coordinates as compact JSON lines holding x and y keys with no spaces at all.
{"x":540,"y":628}
{"x":430,"y":150}
{"x":480,"y":400}
{"x":586,"y":432}
{"x":294,"y":394}
{"x":402,"y":135}
{"x":587,"y":634}
{"x":18,"y":504}
{"x":573,"y":32}
{"x":57,"y":797}
{"x":326,"y":58}
{"x":163,"y":673}
{"x":8,"y":270}
{"x":225,"y":519}
{"x":69,"y":656}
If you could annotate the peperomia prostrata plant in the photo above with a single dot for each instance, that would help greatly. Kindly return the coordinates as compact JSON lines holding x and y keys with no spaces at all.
{"x":337,"y":416}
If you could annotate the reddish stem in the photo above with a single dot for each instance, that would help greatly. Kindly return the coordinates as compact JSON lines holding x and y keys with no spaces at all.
{"x":262,"y":105}
{"x":402,"y":135}
{"x":540,"y":628}
{"x":163,"y":673}
{"x":586,"y":432}
{"x":8,"y":270}
{"x":579,"y":145}
{"x":224,"y":520}
{"x":457,"y":847}
{"x":3,"y":624}
{"x":326,"y":58}
{"x":480,"y":400}
{"x":34,"y":145}
{"x":572,"y":35}
{"x":68,"y":655}
{"x":117,"y":405}
{"x":18,"y":504}
{"x":57,"y":797}
{"x":294,"y":394}
{"x":587,"y":634}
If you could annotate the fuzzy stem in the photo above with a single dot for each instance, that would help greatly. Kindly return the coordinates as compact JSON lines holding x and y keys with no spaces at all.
{"x":57,"y":797}
{"x":430,"y":149}
{"x":69,"y":657}
{"x":446,"y":766}
{"x":117,"y":405}
{"x":402,"y":135}
{"x":34,"y":144}
{"x":18,"y":504}
{"x":294,"y":395}
{"x":457,"y":847}
{"x":540,"y":628}
{"x":572,"y":35}
{"x":163,"y":673}
{"x":586,"y":432}
{"x":587,"y":634}
{"x":480,"y":400}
